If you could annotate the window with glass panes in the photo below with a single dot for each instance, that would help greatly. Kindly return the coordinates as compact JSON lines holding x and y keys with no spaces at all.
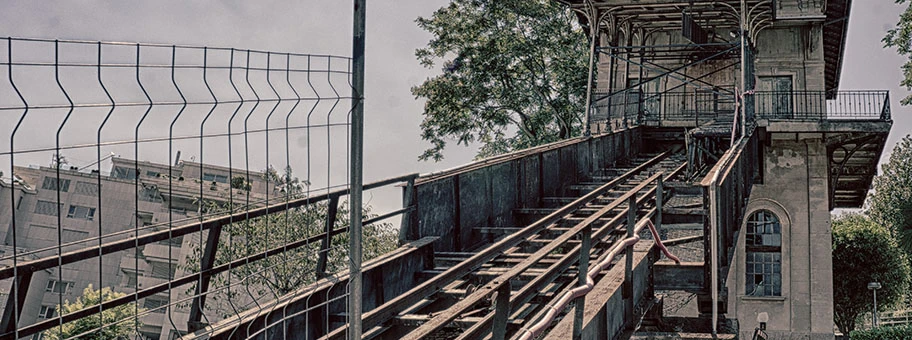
{"x":763,"y":250}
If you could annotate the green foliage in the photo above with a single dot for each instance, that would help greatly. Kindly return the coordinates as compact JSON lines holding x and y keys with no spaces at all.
{"x":240,"y":183}
{"x":282,"y":273}
{"x":891,"y":203}
{"x":901,"y":38}
{"x":883,"y":333}
{"x":864,"y":252}
{"x":514,"y":75}
{"x":117,"y":323}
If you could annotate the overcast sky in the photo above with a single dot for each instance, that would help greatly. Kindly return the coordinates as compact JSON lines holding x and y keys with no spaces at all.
{"x":324,"y":26}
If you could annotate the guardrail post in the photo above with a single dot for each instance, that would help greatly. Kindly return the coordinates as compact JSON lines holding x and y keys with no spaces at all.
{"x":582,"y":277}
{"x":202,"y":287}
{"x":501,"y":312}
{"x":331,"y":212}
{"x":628,"y":258}
{"x":356,"y":179}
{"x":406,"y":228}
{"x":885,"y":112}
{"x":714,"y":252}
{"x":659,"y":202}
{"x":14,"y":303}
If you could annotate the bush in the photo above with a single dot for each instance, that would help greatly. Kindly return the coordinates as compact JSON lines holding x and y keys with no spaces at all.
{"x":883,"y":333}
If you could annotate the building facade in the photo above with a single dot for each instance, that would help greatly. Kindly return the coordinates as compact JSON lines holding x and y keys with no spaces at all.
{"x":712,"y":72}
{"x":59,"y":210}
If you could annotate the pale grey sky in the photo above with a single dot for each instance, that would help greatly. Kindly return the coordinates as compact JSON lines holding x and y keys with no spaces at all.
{"x":324,"y":26}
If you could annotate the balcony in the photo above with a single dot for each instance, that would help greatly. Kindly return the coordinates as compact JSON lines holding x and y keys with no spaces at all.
{"x":814,"y":105}
{"x":692,"y":109}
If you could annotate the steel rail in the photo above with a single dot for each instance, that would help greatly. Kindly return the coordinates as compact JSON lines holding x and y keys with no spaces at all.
{"x":482,"y":293}
{"x":541,"y":325}
{"x":115,"y":246}
{"x":524,"y":295}
{"x":162,"y":45}
{"x":396,"y":305}
{"x":192,"y":277}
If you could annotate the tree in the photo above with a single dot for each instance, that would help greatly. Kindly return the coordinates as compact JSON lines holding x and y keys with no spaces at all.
{"x":240,"y":183}
{"x":282,"y":273}
{"x":514,"y":75}
{"x":116,"y":323}
{"x":287,"y":182}
{"x":864,"y":252}
{"x":901,"y":38}
{"x":891,"y":202}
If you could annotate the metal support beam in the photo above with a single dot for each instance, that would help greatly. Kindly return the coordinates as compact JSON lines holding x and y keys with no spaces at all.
{"x":501,"y":312}
{"x":14,"y":303}
{"x":659,"y":203}
{"x":581,"y":278}
{"x":628,"y":259}
{"x":357,"y":168}
{"x":332,"y":210}
{"x":593,"y":43}
{"x":744,"y":74}
{"x":666,"y":73}
{"x":202,"y":286}
{"x":714,"y":252}
{"x":407,"y":230}
{"x":698,"y":79}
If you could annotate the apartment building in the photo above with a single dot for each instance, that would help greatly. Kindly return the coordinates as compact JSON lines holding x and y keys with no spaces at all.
{"x":48,"y":211}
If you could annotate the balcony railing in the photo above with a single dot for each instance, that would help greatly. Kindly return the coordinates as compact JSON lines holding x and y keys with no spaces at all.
{"x":815,"y":106}
{"x":700,"y":107}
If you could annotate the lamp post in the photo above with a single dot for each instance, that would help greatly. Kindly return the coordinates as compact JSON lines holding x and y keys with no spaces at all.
{"x":874,"y":286}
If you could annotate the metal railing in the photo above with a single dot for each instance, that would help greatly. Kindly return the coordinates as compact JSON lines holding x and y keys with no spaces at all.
{"x":727,"y":187}
{"x":224,"y":230}
{"x":699,"y":107}
{"x":657,"y":108}
{"x":815,"y":105}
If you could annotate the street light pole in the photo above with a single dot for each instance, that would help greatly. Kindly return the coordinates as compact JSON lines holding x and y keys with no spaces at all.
{"x":874,"y":286}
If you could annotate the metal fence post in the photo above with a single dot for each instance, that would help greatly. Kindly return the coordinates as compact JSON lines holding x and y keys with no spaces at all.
{"x":582,"y":277}
{"x":628,"y":257}
{"x":660,"y":201}
{"x":408,"y":202}
{"x":501,"y":312}
{"x":357,"y":152}
{"x":329,"y":224}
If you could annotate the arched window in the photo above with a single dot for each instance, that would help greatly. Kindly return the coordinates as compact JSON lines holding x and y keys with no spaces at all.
{"x":763,"y":247}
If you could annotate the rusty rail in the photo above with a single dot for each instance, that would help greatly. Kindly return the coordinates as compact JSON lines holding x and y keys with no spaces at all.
{"x":535,"y":330}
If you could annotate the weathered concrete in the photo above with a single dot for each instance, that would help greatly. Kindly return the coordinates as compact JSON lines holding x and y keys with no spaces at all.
{"x":795,"y":190}
{"x":452,"y":204}
{"x":687,"y":276}
{"x":603,"y":317}
{"x":311,"y":311}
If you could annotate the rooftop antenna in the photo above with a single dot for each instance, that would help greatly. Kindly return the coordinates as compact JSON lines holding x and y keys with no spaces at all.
{"x":98,"y":161}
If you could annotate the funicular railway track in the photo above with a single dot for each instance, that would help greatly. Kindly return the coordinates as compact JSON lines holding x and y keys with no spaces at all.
{"x":529,"y":267}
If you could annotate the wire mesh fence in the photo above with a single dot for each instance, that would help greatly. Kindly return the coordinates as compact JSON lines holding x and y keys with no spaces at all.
{"x":152,"y":191}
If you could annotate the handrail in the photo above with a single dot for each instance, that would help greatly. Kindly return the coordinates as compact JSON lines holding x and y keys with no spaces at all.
{"x":129,"y":243}
{"x":536,"y":329}
{"x":28,"y":267}
{"x":713,"y":181}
